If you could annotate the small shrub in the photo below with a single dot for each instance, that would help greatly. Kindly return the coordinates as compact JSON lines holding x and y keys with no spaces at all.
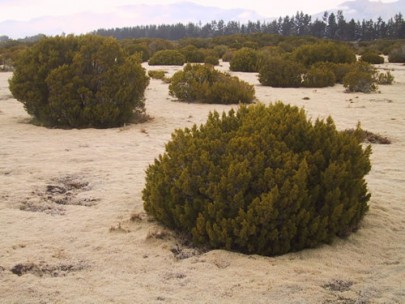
{"x":157,"y":74}
{"x":244,"y":60}
{"x":167,"y":57}
{"x":279,"y":72}
{"x":319,"y":77}
{"x":260,"y":180}
{"x":372,"y":57}
{"x":361,"y":78}
{"x":227,"y":56}
{"x":202,"y":83}
{"x":385,"y":78}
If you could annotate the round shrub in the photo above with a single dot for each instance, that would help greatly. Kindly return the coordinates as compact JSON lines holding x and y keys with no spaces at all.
{"x":372,"y":57}
{"x":193,"y":54}
{"x":361,"y":78}
{"x":167,"y":57}
{"x":79,"y":82}
{"x":280,"y":72}
{"x":202,"y":83}
{"x":319,"y":77}
{"x":260,"y":180}
{"x":244,"y":60}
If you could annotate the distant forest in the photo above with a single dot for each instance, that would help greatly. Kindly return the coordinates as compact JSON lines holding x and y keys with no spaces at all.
{"x":331,"y":26}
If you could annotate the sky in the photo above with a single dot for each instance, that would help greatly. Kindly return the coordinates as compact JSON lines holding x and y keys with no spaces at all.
{"x":28,"y":10}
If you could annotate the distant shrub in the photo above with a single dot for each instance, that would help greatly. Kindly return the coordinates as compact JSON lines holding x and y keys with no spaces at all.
{"x":202,"y":83}
{"x":280,"y":72}
{"x":319,"y":77}
{"x":361,"y":78}
{"x":324,"y":52}
{"x":79,"y":82}
{"x":244,"y":60}
{"x":167,"y":57}
{"x":397,"y":55}
{"x":213,"y":60}
{"x":193,"y":54}
{"x":227,"y":56}
{"x":261,"y":180}
{"x":385,"y":78}
{"x":157,"y":74}
{"x":372,"y":57}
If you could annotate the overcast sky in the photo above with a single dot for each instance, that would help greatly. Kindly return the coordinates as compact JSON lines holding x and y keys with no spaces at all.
{"x":26,"y":10}
{"x":29,"y":9}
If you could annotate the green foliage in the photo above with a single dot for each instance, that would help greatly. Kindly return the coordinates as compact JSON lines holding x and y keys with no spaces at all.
{"x":213,"y":60}
{"x":397,"y":54}
{"x":324,"y":52}
{"x":227,"y":56}
{"x":79,"y":82}
{"x":244,"y":60}
{"x":372,"y":57}
{"x":167,"y":57}
{"x":157,"y":74}
{"x":202,"y":83}
{"x":281,"y":72}
{"x":193,"y":54}
{"x":319,"y":76}
{"x":361,"y":78}
{"x":260,"y":180}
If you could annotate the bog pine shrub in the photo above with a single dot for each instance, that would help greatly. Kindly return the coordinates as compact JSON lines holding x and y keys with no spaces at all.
{"x":167,"y":57}
{"x":262,"y":179}
{"x":79,"y":82}
{"x":318,"y":77}
{"x":281,"y":72}
{"x":362,"y":77}
{"x":372,"y":57}
{"x":203,"y":83}
{"x":244,"y":60}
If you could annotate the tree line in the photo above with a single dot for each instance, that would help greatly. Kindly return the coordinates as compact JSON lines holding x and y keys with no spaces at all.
{"x":330,"y":26}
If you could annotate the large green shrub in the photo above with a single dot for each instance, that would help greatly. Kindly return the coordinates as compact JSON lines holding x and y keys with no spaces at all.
{"x":244,"y":60}
{"x":397,"y":55}
{"x":167,"y":57}
{"x":260,"y":180}
{"x":372,"y":57}
{"x":319,"y":77}
{"x":324,"y":52}
{"x":202,"y":83}
{"x":361,"y":78}
{"x":79,"y":82}
{"x":281,"y":72}
{"x":193,"y":54}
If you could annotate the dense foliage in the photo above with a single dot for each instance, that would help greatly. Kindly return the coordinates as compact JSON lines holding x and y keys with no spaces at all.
{"x":324,"y":52}
{"x":203,"y":83}
{"x":318,"y":77}
{"x":244,"y":60}
{"x":79,"y":82}
{"x":372,"y":57}
{"x":281,"y":72}
{"x":167,"y":57}
{"x":397,"y":54}
{"x":260,"y":180}
{"x":361,"y":78}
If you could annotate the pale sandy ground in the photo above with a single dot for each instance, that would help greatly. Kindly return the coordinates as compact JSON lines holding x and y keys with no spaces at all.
{"x":91,"y":252}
